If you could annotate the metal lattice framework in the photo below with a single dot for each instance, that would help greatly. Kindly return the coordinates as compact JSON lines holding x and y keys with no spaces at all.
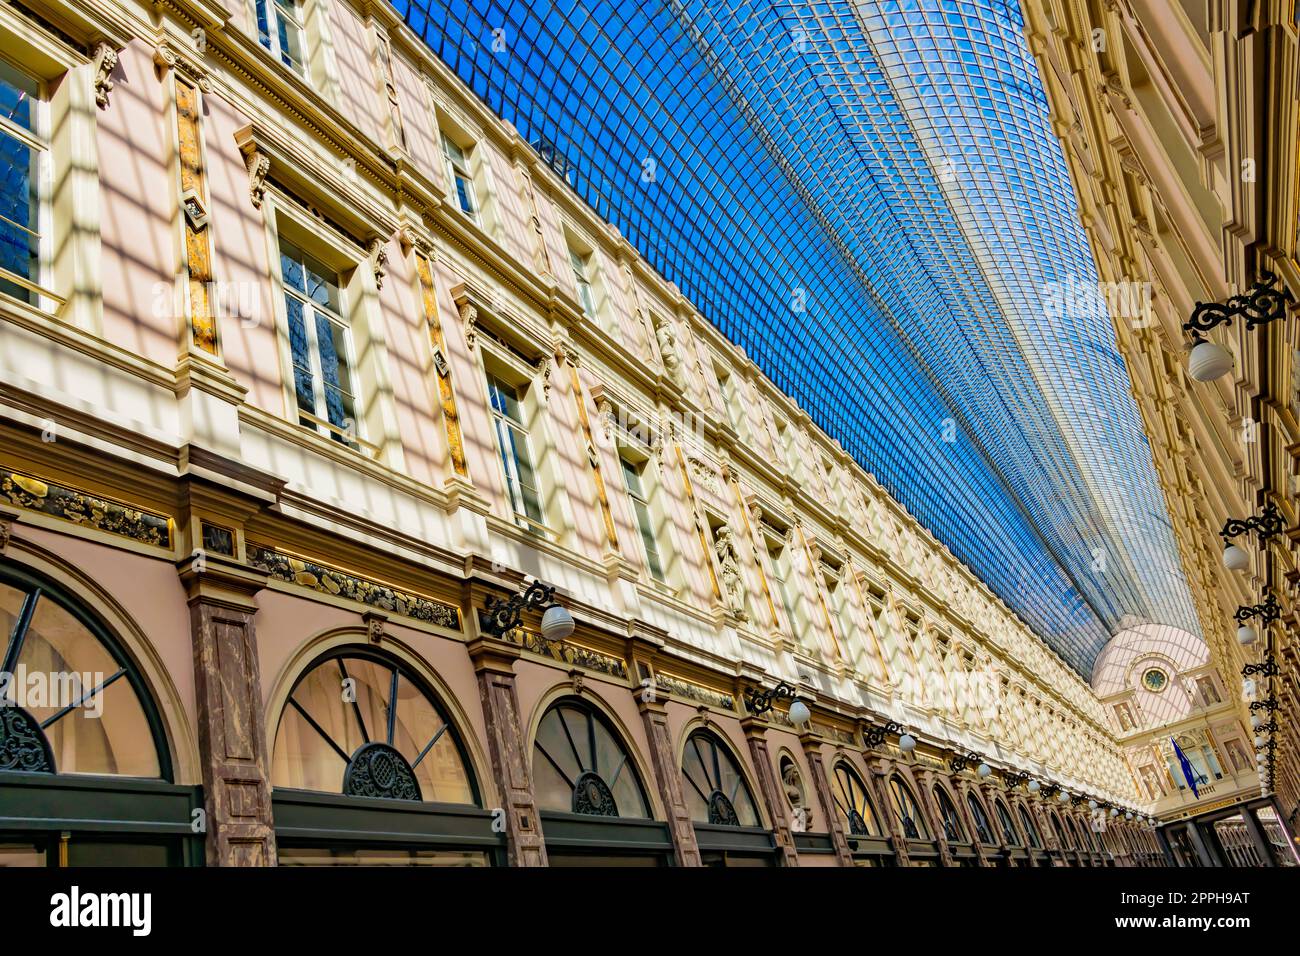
{"x":890,"y":167}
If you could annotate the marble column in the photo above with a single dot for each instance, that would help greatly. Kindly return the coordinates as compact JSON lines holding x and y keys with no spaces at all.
{"x":668,"y":778}
{"x":771,"y":788}
{"x":813,"y":751}
{"x":494,"y":663}
{"x":231,"y":725}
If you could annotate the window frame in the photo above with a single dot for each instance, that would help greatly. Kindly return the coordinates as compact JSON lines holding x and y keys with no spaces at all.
{"x":458,"y":170}
{"x":356,"y":440}
{"x":275,"y":10}
{"x":505,"y":374}
{"x":643,"y":514}
{"x":39,"y":139}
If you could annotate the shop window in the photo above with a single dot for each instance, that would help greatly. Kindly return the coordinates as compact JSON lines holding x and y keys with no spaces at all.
{"x":71,"y":702}
{"x":580,"y":765}
{"x":850,"y":796}
{"x":948,"y":816}
{"x":1031,"y":831}
{"x":361,"y":724}
{"x":982,"y":828}
{"x":905,"y":809}
{"x":1005,"y":821}
{"x":716,"y":792}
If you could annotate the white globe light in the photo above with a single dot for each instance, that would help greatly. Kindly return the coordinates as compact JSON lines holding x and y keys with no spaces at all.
{"x":1261,"y":759}
{"x":1064,"y":797}
{"x":1092,"y":804}
{"x":1256,"y":721}
{"x":1034,"y":786}
{"x":1114,"y":811}
{"x":1129,"y":815}
{"x":1247,"y":635}
{"x":1235,"y":558}
{"x":799,"y":712}
{"x":1259,"y":740}
{"x":557,"y":623}
{"x":1208,"y":362}
{"x":907,"y":743}
{"x":983,"y":770}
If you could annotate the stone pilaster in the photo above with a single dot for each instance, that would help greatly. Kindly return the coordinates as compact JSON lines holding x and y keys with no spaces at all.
{"x":756,"y":735}
{"x":669,"y":781}
{"x":231,"y":725}
{"x":494,"y":662}
{"x":813,"y":751}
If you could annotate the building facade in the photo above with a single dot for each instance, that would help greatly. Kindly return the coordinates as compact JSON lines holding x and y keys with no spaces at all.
{"x":306,"y":358}
{"x":1178,"y":121}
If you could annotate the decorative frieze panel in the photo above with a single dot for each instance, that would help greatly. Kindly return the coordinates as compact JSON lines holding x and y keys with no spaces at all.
{"x":317,"y":577}
{"x":704,"y":695}
{"x":569,"y":653}
{"x":88,"y":510}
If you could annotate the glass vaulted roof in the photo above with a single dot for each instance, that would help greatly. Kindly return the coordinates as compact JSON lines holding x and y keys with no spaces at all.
{"x":890,"y":166}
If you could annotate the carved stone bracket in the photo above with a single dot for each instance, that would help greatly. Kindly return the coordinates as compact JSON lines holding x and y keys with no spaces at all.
{"x":378,"y":250}
{"x":105,"y":57}
{"x":258,"y":165}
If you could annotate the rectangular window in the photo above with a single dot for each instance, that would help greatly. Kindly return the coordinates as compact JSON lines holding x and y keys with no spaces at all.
{"x":516,"y":457}
{"x":583,"y":282}
{"x":280,"y":30}
{"x":23,"y":153}
{"x":321,"y":346}
{"x":458,"y":174}
{"x":776,"y":558}
{"x":641,"y":508}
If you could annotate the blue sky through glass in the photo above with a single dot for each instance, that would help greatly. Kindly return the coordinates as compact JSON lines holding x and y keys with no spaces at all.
{"x":892,"y":163}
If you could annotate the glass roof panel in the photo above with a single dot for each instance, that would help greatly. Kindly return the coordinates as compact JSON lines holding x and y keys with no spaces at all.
{"x":891,"y":165}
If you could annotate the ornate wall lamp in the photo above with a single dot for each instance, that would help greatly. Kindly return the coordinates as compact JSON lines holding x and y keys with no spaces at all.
{"x":972,"y":759}
{"x":1014,"y":779}
{"x":1268,"y":667}
{"x":1268,"y":612}
{"x":760,"y":701}
{"x":1259,"y":305}
{"x":1266,"y":525}
{"x":501,"y":616}
{"x":875,"y":736}
{"x":1048,"y":790}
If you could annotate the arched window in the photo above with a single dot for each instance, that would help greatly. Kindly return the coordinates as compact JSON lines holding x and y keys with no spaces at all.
{"x":581,"y":766}
{"x":905,"y":809}
{"x":1008,"y":826}
{"x":1031,"y":831}
{"x":361,"y":723}
{"x":850,"y":795}
{"x":716,"y":789}
{"x":73,"y":701}
{"x":1060,"y":833}
{"x":982,"y":828}
{"x":952,"y":828}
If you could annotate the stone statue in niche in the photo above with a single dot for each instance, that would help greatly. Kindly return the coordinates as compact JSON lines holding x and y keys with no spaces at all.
{"x":801,"y":816}
{"x":724,"y":546}
{"x":667,"y":339}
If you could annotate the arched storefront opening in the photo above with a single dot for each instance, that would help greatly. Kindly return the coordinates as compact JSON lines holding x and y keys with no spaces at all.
{"x":959,"y":842}
{"x":369,"y":769}
{"x":595,"y":810}
{"x":85,"y":770}
{"x":1017,"y":853}
{"x":727,"y":824}
{"x":862,"y":828}
{"x":907,"y":812}
{"x":983,"y":830}
{"x":1036,"y":848}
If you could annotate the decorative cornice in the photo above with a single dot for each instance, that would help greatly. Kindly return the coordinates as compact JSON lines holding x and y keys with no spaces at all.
{"x":85,"y":509}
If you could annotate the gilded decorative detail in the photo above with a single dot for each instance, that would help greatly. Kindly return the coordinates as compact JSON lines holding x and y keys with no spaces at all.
{"x":198,"y":253}
{"x":327,"y":580}
{"x":450,"y":417}
{"x":597,"y":476}
{"x":696,"y":692}
{"x":568,"y":653}
{"x":84,"y":509}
